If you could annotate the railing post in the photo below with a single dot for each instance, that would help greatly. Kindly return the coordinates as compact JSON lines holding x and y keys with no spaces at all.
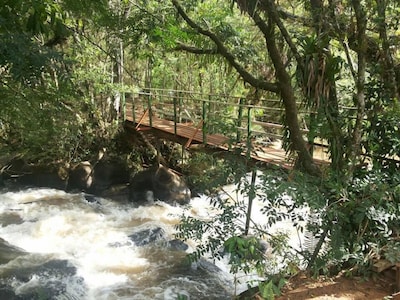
{"x":249,"y":146}
{"x":123,"y":106}
{"x":149,"y":108}
{"x":175,"y":114}
{"x":311,"y":134}
{"x":180,"y":104}
{"x":252,"y":195}
{"x":239,"y":120}
{"x":204,"y":116}
{"x":133,"y":106}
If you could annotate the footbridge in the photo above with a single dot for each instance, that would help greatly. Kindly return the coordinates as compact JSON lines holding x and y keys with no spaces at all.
{"x":219,"y":121}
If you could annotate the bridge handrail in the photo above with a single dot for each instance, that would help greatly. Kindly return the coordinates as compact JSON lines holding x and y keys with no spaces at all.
{"x":244,"y":118}
{"x":241,"y":114}
{"x":143,"y":92}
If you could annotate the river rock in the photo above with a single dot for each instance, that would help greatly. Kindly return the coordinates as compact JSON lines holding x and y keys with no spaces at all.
{"x":44,"y":281}
{"x":206,"y":265}
{"x":80,"y":177}
{"x":19,"y":174}
{"x":162,"y":182}
{"x":109,"y":173}
{"x":177,"y":245}
{"x":146,"y":236}
{"x":99,"y":177}
{"x":9,"y":252}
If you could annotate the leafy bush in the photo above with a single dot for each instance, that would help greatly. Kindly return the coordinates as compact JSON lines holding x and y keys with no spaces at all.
{"x":350,"y":224}
{"x":207,"y":172}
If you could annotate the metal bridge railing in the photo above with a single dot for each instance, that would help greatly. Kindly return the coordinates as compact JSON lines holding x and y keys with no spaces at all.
{"x":247,"y":126}
{"x":217,"y":114}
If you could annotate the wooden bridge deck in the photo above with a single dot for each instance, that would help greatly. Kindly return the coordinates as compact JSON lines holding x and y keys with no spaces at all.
{"x":188,"y":134}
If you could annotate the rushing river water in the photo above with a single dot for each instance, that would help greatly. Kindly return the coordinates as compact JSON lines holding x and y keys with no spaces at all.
{"x":56,"y":245}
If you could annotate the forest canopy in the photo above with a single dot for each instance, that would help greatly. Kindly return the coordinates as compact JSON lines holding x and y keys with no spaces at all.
{"x":333,"y":66}
{"x":68,"y":58}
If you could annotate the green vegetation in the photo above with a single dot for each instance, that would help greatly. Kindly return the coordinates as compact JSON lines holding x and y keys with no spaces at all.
{"x":67,"y":67}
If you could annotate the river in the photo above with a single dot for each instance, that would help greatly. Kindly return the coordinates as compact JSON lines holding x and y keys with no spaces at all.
{"x":57,"y":245}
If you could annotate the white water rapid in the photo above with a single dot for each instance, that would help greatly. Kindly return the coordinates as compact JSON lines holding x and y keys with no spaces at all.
{"x":56,"y":245}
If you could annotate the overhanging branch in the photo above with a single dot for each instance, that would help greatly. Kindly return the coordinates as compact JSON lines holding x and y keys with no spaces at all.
{"x":222,"y":50}
{"x":194,"y":50}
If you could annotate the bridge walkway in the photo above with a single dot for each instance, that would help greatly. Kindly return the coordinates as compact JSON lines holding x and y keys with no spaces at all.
{"x":162,"y":119}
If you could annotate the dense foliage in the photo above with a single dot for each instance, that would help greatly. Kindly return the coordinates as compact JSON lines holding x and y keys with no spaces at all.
{"x":66,"y":66}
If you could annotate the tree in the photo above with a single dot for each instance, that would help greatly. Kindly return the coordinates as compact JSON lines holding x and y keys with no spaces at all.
{"x":46,"y":106}
{"x":340,"y":59}
{"x":316,"y":42}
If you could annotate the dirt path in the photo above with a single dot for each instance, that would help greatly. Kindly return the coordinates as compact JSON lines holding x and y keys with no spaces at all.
{"x":339,"y":288}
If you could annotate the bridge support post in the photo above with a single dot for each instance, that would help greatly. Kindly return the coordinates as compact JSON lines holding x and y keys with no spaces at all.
{"x":204,"y":121}
{"x":175,"y":115}
{"x":249,"y":145}
{"x":149,"y":107}
{"x":239,"y":120}
{"x":133,"y":107}
{"x":252,"y":195}
{"x":123,"y":106}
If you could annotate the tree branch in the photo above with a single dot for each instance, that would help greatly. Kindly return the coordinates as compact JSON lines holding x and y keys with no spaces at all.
{"x":222,"y":50}
{"x":273,"y":13}
{"x":194,"y":50}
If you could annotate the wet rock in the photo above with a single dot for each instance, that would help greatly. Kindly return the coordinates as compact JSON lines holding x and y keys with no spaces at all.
{"x":118,"y":192}
{"x":147,"y":236}
{"x":7,"y":293}
{"x":206,"y":265}
{"x":9,"y":252}
{"x":44,"y":281}
{"x":162,"y":182}
{"x":177,"y":245}
{"x":80,"y":177}
{"x":18,"y":174}
{"x":11,"y":169}
{"x":54,"y":268}
{"x":170,"y":187}
{"x":141,"y":185}
{"x":98,"y":178}
{"x":41,"y":178}
{"x":91,"y":199}
{"x":107,"y":173}
{"x":10,"y":218}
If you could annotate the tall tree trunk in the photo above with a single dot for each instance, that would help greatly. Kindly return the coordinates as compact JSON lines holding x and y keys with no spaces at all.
{"x":298,"y":144}
{"x":284,"y":84}
{"x":388,"y":69}
{"x":330,"y":103}
{"x":355,"y":149}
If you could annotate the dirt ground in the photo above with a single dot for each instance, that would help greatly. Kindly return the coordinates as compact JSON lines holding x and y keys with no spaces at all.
{"x":340,"y":288}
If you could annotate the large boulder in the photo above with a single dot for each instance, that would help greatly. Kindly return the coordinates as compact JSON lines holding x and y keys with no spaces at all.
{"x":162,"y":183}
{"x":108,"y":173}
{"x":19,"y":174}
{"x":46,"y":280}
{"x":80,"y":177}
{"x":147,"y":236}
{"x":9,"y":252}
{"x":97,"y":178}
{"x":100,"y":178}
